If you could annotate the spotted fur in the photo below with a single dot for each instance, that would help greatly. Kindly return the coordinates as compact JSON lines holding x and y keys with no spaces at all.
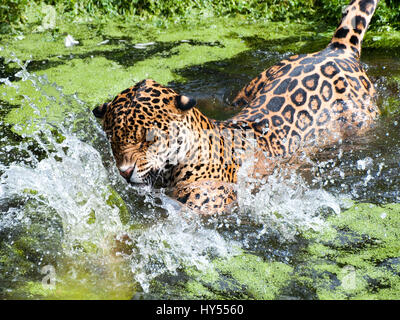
{"x":304,"y":102}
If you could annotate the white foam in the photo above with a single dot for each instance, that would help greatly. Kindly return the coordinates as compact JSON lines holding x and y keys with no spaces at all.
{"x":284,"y":202}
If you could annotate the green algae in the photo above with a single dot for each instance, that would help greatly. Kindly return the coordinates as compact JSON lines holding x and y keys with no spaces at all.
{"x":115,"y":200}
{"x":358,"y":258}
{"x":34,"y":242}
{"x":95,"y":73}
{"x":106,"y":60}
{"x":263,"y":280}
{"x":243,"y":276}
{"x":379,"y":222}
{"x":75,"y":282}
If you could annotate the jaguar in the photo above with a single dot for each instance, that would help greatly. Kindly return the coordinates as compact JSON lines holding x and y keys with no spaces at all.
{"x":300,"y":105}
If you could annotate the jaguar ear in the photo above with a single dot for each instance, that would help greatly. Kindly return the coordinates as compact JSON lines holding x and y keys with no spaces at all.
{"x":185,"y":103}
{"x":100,"y":111}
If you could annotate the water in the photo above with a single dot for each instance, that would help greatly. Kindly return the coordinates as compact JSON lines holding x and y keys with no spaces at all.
{"x":71,"y":227}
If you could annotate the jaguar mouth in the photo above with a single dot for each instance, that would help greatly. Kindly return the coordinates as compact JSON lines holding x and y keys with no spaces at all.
{"x":127,"y":173}
{"x":131,"y":176}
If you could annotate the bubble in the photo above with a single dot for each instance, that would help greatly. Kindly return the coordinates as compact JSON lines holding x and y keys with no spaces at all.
{"x":365,"y":163}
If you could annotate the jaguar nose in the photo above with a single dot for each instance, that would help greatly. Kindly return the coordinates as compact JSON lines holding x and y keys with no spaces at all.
{"x":126,"y":173}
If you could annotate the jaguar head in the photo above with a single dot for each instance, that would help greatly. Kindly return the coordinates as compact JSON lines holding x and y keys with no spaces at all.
{"x":145,"y":125}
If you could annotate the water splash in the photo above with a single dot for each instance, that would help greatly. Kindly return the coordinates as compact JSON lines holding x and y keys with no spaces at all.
{"x":178,"y":242}
{"x":65,"y":166}
{"x":69,"y":179}
{"x":284,"y":203}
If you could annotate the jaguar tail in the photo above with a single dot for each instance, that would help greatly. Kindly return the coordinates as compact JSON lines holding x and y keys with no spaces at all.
{"x":354,"y":24}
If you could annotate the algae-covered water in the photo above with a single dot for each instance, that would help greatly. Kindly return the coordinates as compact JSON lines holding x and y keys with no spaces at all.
{"x":71,"y":228}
